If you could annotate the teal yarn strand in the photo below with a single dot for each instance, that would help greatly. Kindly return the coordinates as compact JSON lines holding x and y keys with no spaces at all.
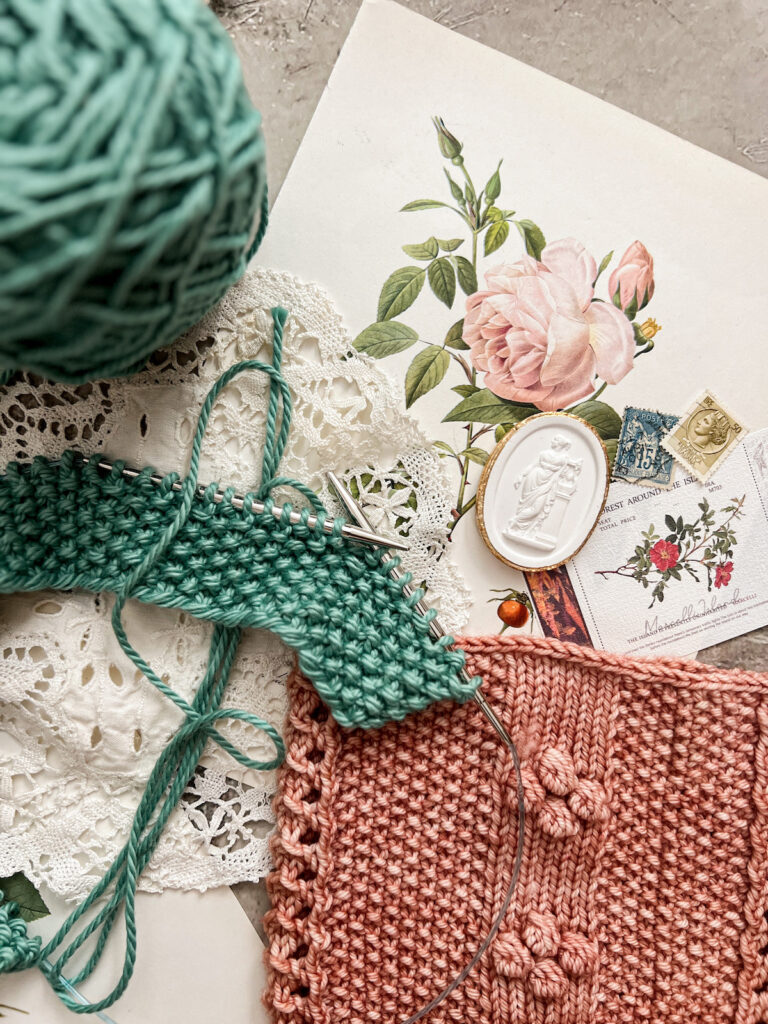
{"x":132,"y":180}
{"x":115,"y":895}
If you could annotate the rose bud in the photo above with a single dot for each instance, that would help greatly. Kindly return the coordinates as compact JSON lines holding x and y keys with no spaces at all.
{"x":631,"y":284}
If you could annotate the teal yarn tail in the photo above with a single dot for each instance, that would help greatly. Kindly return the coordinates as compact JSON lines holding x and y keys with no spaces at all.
{"x":133,"y":172}
{"x":115,"y":894}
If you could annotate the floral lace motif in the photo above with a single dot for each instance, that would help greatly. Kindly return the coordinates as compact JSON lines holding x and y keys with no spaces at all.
{"x":81,"y":729}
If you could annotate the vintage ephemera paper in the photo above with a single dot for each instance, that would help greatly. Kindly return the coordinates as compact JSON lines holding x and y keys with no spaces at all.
{"x":669,"y":571}
{"x":704,"y":436}
{"x":450,"y":199}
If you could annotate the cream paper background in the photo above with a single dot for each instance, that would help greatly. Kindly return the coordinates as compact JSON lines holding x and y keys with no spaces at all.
{"x":573,"y":164}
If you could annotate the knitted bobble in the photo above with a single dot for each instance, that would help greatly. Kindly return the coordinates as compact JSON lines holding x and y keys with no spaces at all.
{"x":556,"y":771}
{"x":541,"y":934}
{"x":556,"y":819}
{"x":547,"y":980}
{"x":18,"y":950}
{"x":578,"y":954}
{"x":589,"y":801}
{"x":511,"y":957}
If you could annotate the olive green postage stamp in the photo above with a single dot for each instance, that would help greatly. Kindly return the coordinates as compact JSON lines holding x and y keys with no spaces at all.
{"x":704,"y":436}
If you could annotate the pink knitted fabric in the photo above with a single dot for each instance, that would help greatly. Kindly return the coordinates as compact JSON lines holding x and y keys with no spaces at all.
{"x":644,"y":890}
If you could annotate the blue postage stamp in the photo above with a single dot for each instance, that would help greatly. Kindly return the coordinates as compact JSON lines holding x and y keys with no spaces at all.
{"x":640,"y":457}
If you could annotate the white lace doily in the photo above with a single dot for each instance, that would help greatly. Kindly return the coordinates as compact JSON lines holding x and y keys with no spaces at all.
{"x":80,"y":729}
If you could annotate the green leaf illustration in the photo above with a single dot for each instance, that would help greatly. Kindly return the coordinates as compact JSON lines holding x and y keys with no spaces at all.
{"x":484,"y":407}
{"x":493,"y":213}
{"x":601,"y":416}
{"x":502,"y":430}
{"x":493,"y":188}
{"x":603,"y":264}
{"x":384,"y":339}
{"x":453,"y":338}
{"x":456,"y":192}
{"x":448,"y":245}
{"x":465,"y":390}
{"x":400,"y":291}
{"x":477,"y":455}
{"x":496,"y":236}
{"x":425,"y":251}
{"x":442,"y":280}
{"x":422,"y":204}
{"x":466,"y":274}
{"x":533,"y":237}
{"x":444,"y":448}
{"x":425,"y":372}
{"x":18,"y":889}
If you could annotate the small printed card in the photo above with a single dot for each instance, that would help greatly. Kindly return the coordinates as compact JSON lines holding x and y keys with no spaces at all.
{"x":670,"y":571}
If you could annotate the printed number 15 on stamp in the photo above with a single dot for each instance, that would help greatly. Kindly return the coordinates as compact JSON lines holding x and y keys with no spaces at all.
{"x":703,"y":438}
{"x":640,"y":458}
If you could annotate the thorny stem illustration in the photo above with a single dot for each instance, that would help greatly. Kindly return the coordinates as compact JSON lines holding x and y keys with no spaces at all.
{"x":462,"y":509}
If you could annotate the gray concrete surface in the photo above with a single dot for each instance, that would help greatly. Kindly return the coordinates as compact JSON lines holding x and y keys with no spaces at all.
{"x":698,"y":69}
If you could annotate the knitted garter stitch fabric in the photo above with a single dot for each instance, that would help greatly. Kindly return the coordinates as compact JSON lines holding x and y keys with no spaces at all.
{"x":643,"y":895}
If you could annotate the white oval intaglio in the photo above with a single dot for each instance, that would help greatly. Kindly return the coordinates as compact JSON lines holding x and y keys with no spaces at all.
{"x":542,"y":491}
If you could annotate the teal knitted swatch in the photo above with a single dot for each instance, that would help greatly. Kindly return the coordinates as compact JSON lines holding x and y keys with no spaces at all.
{"x":132,"y":176}
{"x":358,"y":637}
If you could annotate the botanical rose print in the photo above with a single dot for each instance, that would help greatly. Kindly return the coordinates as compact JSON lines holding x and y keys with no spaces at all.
{"x":703,"y":545}
{"x":533,"y":335}
{"x":537,"y":334}
{"x":665,"y":555}
{"x":632,"y":281}
{"x":723,"y":574}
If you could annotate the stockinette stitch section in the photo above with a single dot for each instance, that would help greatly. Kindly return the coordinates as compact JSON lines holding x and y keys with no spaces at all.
{"x":644,"y":890}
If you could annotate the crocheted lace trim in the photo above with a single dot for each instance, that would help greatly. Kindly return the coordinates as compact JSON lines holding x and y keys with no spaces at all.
{"x":574,"y":861}
{"x":71,"y":772}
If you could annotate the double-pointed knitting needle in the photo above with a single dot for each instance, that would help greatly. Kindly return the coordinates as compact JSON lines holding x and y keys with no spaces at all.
{"x":356,"y":513}
{"x":357,"y":534}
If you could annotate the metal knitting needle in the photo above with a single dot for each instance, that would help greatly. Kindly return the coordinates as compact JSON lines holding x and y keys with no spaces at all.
{"x":356,"y":513}
{"x":356,"y":534}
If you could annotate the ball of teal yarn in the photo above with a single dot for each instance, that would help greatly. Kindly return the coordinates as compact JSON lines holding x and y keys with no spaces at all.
{"x":132,"y":180}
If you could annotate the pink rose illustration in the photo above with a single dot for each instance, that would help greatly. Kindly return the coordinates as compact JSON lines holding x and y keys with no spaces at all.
{"x":538,"y":336}
{"x":632,"y":281}
{"x":665,"y":555}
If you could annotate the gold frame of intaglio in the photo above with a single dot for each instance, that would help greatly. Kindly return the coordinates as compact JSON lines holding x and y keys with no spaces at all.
{"x":487,"y":469}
